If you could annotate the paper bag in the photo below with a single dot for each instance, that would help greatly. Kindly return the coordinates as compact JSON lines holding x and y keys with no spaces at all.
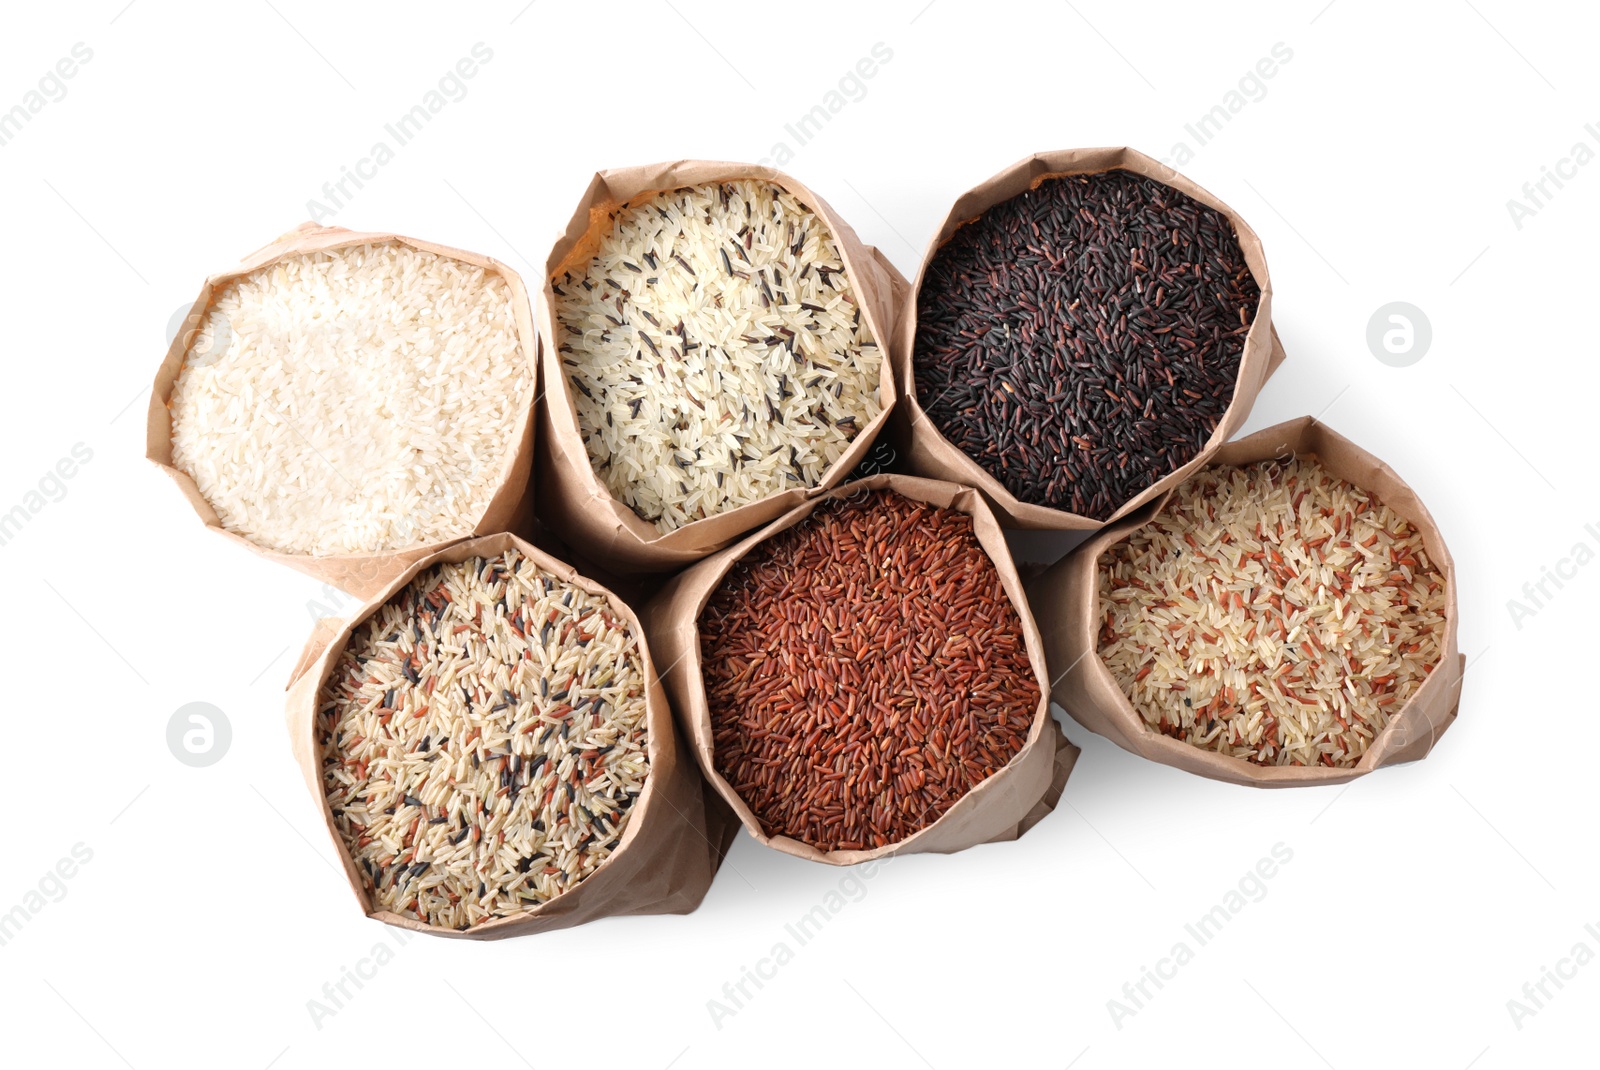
{"x":572,"y":499}
{"x":359,"y":574}
{"x":1066,"y":601}
{"x":929,"y":453}
{"x":677,"y":832}
{"x":1001,"y":807}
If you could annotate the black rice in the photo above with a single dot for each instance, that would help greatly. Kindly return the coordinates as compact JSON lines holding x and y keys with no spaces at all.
{"x":1082,"y":340}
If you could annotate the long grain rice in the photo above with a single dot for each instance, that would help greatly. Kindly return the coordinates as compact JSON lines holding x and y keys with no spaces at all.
{"x":483,"y":741}
{"x":714,"y":349}
{"x":864,"y":669}
{"x":1273,"y":612}
{"x":1084,"y":338}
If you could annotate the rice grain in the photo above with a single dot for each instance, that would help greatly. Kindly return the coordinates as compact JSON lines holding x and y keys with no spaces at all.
{"x":352,"y":400}
{"x":483,"y":740}
{"x":864,"y":670}
{"x":1272,"y":612}
{"x":714,"y":350}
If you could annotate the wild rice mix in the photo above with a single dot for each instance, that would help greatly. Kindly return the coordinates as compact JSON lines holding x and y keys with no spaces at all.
{"x":865,"y":669}
{"x":715,"y":351}
{"x":352,"y":400}
{"x":1082,"y":340}
{"x":1274,"y":613}
{"x":483,"y":741}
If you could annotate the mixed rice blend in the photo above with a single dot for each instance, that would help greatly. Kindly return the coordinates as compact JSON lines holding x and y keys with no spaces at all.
{"x":1272,"y":612}
{"x":715,"y":352}
{"x":483,"y":740}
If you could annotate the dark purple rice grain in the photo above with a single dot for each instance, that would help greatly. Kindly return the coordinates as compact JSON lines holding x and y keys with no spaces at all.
{"x":1082,"y":340}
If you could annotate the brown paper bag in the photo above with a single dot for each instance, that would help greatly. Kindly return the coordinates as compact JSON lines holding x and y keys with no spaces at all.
{"x":572,"y":499}
{"x":1067,"y":602}
{"x":676,"y":836}
{"x":929,"y":453}
{"x":359,"y":574}
{"x":1002,"y":807}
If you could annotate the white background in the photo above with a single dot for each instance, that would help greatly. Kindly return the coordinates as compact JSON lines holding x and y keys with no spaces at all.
{"x":1376,"y":168}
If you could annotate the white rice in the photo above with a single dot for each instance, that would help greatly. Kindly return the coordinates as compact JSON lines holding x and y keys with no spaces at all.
{"x":359,"y":400}
{"x":714,"y":350}
{"x":1274,"y":612}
